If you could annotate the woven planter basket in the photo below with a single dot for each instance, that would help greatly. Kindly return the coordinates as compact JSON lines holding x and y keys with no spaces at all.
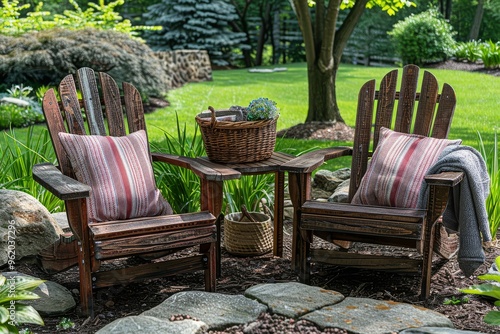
{"x":236,"y":142}
{"x":248,"y":238}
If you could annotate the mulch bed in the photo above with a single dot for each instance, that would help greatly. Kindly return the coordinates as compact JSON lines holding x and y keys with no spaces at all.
{"x":240,"y":273}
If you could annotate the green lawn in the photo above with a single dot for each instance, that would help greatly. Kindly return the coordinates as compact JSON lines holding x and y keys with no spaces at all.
{"x":477,"y":95}
{"x":477,"y":100}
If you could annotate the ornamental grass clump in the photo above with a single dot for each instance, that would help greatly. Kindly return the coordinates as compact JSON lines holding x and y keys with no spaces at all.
{"x":261,"y":109}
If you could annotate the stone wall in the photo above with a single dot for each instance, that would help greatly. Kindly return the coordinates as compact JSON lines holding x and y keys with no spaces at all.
{"x":183,"y":66}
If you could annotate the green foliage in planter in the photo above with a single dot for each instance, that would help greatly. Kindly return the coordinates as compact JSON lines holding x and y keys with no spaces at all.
{"x":46,"y":57}
{"x":490,"y":290}
{"x":13,"y":313}
{"x":492,"y":159}
{"x":261,"y":109}
{"x":423,"y":38}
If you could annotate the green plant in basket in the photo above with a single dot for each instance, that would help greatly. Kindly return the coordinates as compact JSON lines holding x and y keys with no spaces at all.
{"x":261,"y":109}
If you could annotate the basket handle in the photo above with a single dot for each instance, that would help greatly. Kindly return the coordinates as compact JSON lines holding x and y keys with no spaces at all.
{"x":213,"y":123}
{"x":245,"y":213}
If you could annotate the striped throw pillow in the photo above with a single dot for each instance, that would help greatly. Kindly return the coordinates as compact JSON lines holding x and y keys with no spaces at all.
{"x":397,"y":169}
{"x":120,"y":173}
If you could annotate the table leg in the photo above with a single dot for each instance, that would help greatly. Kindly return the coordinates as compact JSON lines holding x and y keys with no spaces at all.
{"x":279,"y":203}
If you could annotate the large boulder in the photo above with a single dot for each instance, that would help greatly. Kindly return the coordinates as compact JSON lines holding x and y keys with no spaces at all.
{"x":26,"y":226}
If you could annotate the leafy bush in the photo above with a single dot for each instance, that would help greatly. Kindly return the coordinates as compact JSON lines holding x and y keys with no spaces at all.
{"x":423,"y":38}
{"x":27,"y":112}
{"x":46,"y":57}
{"x":98,"y":16}
{"x":490,"y":54}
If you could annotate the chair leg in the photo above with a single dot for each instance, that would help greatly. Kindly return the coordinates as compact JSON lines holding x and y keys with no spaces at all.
{"x":84,"y":266}
{"x":211,"y":270}
{"x":304,"y":255}
{"x":218,"y":223}
{"x":428,"y":246}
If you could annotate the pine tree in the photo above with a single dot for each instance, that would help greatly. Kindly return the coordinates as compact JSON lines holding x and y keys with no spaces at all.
{"x":195,"y":25}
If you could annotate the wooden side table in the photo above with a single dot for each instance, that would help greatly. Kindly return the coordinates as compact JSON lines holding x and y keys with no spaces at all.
{"x":271,"y":165}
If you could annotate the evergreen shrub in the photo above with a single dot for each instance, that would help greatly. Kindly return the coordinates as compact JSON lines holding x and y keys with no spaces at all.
{"x":196,"y":25}
{"x":46,"y":57}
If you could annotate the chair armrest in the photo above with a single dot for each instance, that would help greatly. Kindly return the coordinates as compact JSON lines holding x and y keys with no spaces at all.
{"x":204,"y":169}
{"x":449,"y":179}
{"x":62,"y":186}
{"x":308,"y":162}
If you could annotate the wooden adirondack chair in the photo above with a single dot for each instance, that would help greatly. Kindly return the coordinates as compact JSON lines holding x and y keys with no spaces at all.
{"x":344,"y":223}
{"x":104,"y":240}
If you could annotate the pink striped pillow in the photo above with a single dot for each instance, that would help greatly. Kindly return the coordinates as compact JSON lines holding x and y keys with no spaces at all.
{"x":398,"y":166}
{"x":120,"y":173}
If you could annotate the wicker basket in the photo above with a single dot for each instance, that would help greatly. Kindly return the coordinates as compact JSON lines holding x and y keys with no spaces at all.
{"x":245,"y":237}
{"x":236,"y":142}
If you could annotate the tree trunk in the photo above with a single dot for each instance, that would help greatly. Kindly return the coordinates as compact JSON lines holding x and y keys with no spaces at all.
{"x":324,"y":46}
{"x":322,"y":95}
{"x":478,"y":18}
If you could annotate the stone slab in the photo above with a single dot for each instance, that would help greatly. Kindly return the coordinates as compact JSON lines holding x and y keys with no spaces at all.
{"x":144,"y":324}
{"x":217,"y":310}
{"x":293,"y":299}
{"x":370,"y":316}
{"x":436,"y":330}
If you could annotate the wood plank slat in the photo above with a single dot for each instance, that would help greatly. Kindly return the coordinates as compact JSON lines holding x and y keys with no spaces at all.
{"x":426,"y":105}
{"x":375,"y":212}
{"x":366,"y":261}
{"x":55,"y":124}
{"x":91,"y":101}
{"x":362,"y":135}
{"x":406,"y":103}
{"x":149,"y":225}
{"x":204,"y":169}
{"x":133,"y":108}
{"x":62,"y":186}
{"x":113,"y":107}
{"x":149,"y":271}
{"x":309,"y":161}
{"x":71,"y":106}
{"x":386,"y":96}
{"x":445,"y":111}
{"x":362,"y":226}
{"x":449,"y":179}
{"x":150,"y":243}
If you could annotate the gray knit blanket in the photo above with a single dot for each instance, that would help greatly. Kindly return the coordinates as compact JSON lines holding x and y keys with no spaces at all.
{"x":466,"y":209}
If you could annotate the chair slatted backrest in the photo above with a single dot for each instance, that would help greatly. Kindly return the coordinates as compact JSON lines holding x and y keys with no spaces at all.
{"x":429,"y":120}
{"x":71,"y":119}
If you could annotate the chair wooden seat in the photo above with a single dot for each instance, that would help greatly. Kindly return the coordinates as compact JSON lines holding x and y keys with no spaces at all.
{"x":375,"y":221}
{"x":142,"y":226}
{"x":153,"y":234}
{"x":342,"y":224}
